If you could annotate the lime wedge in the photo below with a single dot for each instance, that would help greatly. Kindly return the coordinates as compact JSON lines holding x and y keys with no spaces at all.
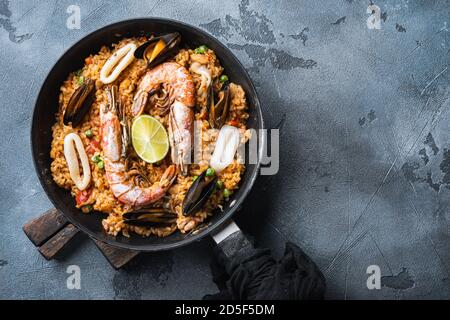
{"x":149,"y":138}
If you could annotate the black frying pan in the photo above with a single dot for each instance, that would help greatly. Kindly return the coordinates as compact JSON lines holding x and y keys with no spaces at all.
{"x":47,"y":105}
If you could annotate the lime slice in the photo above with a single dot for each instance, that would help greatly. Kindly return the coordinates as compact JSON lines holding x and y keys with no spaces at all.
{"x":149,"y":138}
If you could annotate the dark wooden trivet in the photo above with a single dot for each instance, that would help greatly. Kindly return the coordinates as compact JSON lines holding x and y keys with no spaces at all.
{"x":51,"y":232}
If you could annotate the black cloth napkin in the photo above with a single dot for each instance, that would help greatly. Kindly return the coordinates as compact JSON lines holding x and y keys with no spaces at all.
{"x":246,"y":273}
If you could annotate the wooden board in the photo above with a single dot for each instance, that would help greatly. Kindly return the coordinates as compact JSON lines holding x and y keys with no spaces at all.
{"x":117,"y":257}
{"x":56,"y":243}
{"x":45,"y":226}
{"x":51,"y":233}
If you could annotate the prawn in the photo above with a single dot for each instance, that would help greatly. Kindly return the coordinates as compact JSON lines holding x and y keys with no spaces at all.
{"x":114,"y":144}
{"x":181,"y":90}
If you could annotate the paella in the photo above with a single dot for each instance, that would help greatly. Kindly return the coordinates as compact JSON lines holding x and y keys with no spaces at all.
{"x":150,"y":133}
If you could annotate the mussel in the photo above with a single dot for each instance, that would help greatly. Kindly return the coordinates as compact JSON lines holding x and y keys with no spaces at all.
{"x":79,"y":103}
{"x":218,"y":111}
{"x":150,"y":217}
{"x":158,"y":49}
{"x":197,"y":195}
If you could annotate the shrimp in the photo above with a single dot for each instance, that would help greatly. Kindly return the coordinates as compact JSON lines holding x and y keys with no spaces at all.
{"x":180,"y":86}
{"x":120,"y":181}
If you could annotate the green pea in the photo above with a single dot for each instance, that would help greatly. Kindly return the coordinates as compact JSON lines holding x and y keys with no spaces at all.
{"x":96,"y":158}
{"x":194,"y":178}
{"x":223,"y":78}
{"x":226,"y":193}
{"x":80,"y":80}
{"x":89,"y":133}
{"x":210,"y":172}
{"x":100,"y":164}
{"x":202,"y":49}
{"x":219,"y":184}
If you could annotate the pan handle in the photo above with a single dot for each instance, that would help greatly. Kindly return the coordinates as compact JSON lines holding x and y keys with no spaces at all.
{"x":225,"y":232}
{"x":231,"y":239}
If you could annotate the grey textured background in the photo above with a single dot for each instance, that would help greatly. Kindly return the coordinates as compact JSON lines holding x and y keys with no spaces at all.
{"x":365,"y":144}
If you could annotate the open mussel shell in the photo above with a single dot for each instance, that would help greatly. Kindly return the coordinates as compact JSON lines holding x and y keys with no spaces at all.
{"x":79,"y":103}
{"x":151,"y":217}
{"x":158,"y":49}
{"x":218,"y":111}
{"x":197,"y":195}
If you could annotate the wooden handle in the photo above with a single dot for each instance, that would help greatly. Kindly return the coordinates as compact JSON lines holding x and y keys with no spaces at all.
{"x":45,"y":226}
{"x":53,"y":246}
{"x":51,"y":232}
{"x":117,"y":257}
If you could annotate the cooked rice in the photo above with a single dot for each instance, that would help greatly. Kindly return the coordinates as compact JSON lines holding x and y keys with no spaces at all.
{"x":102,"y":198}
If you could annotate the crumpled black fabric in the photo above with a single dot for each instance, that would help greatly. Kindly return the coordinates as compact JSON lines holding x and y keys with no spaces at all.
{"x":243,"y":272}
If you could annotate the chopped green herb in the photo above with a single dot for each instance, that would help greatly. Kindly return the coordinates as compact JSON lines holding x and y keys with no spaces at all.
{"x":219,"y":184}
{"x":194,"y":178}
{"x":89,"y":207}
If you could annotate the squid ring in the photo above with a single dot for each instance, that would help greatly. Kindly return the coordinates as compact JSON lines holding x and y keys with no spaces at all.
{"x":72,"y":160}
{"x":119,"y":61}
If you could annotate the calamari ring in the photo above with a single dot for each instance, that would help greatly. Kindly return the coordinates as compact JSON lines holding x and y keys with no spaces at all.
{"x":120,"y":60}
{"x":72,"y":160}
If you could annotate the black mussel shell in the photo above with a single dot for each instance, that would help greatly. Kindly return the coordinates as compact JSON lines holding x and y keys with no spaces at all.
{"x":218,"y":111}
{"x":198,"y":194}
{"x":152,"y":217}
{"x":79,"y":103}
{"x":171,"y":41}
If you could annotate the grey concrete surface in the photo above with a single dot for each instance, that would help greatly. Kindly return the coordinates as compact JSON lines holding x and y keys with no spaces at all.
{"x":364,"y":114}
